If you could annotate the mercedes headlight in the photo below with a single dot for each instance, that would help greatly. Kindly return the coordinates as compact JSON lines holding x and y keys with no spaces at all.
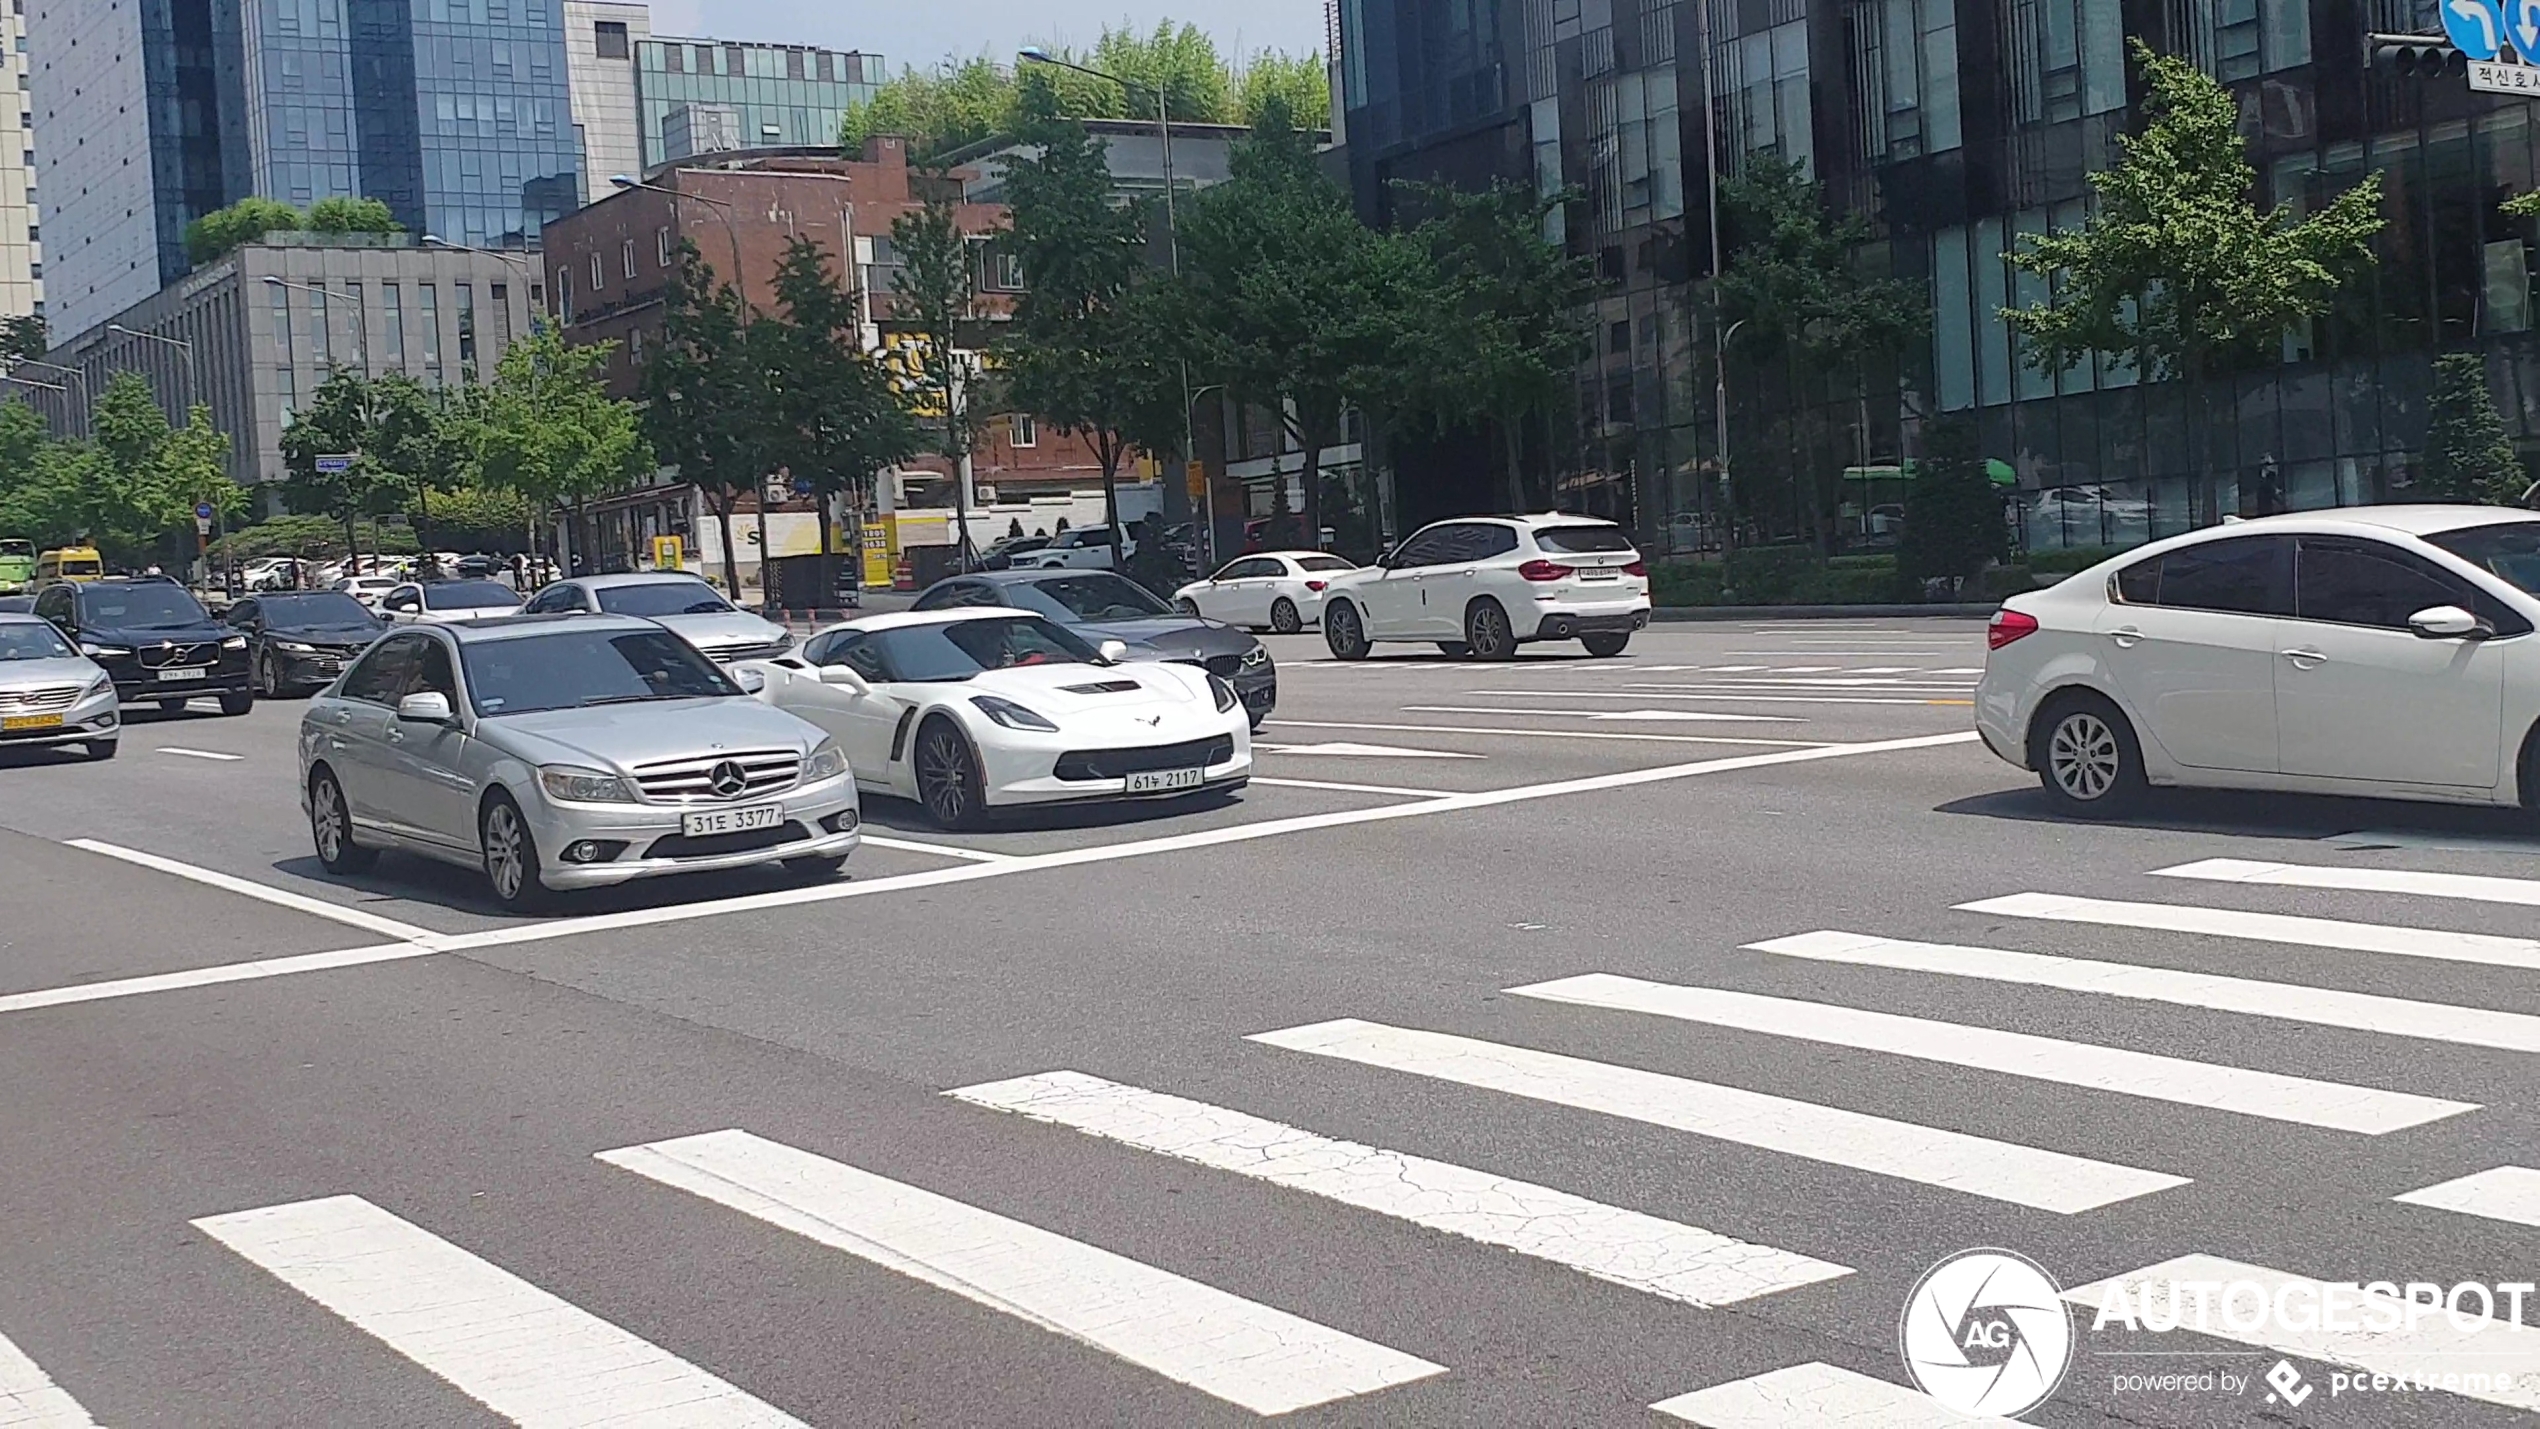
{"x":1224,"y":693}
{"x":826,"y":762}
{"x":294,"y":647}
{"x":784,"y":641}
{"x":1255,"y":658}
{"x":1011,"y":715}
{"x":94,"y":650}
{"x":235,"y":642}
{"x":576,"y":785}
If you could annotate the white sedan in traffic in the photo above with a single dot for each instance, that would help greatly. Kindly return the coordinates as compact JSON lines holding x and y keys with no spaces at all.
{"x":2380,"y":651}
{"x":1275,"y":590}
{"x":975,"y":709}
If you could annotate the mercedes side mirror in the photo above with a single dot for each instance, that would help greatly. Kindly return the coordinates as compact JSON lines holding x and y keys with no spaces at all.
{"x":1112,"y":651}
{"x":427,"y":707}
{"x":844,"y":677}
{"x":2449,"y":622}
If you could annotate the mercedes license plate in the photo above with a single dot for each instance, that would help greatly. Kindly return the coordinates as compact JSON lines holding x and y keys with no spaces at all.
{"x":1159,"y":781}
{"x":42,"y":721}
{"x":192,"y":673}
{"x":731,"y":821}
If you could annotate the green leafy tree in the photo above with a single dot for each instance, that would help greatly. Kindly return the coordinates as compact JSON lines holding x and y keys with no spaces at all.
{"x":1794,"y":278}
{"x":937,"y":304}
{"x":1953,"y":514}
{"x":352,"y":215}
{"x":2176,"y":269}
{"x":2469,"y":456}
{"x":546,"y":430}
{"x":1178,"y":60}
{"x":241,"y":223}
{"x":388,"y":425}
{"x":837,"y":420}
{"x":706,"y":393}
{"x":1301,"y":82}
{"x":1082,"y":352}
{"x":21,"y":338}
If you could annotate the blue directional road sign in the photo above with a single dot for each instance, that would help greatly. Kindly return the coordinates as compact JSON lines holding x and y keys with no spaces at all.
{"x":2475,"y":27}
{"x":203,"y":511}
{"x":2522,"y":27}
{"x":334,"y":465}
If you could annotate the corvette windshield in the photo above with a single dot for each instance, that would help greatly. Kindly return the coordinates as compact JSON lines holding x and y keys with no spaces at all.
{"x":959,"y":649}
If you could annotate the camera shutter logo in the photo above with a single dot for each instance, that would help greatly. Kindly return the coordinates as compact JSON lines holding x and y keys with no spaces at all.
{"x":1986,"y":1332}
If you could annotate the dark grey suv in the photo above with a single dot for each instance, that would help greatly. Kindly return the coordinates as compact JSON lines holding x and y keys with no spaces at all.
{"x":1102,"y":605}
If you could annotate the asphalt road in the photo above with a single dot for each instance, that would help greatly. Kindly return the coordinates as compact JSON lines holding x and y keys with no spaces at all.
{"x":1252,"y":1116}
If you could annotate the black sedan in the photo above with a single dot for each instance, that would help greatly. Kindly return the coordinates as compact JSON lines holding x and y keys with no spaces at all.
{"x":298,"y":641}
{"x":154,"y":638}
{"x":1102,"y":605}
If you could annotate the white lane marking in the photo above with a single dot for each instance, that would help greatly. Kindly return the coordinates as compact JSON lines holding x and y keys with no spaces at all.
{"x":300,"y":902}
{"x":1340,"y":788}
{"x":2487,"y":948}
{"x":1533,"y":733}
{"x":201,"y":754}
{"x":2286,"y":1002}
{"x":1726,"y":669}
{"x":1931,"y":1156}
{"x":1266,"y":1360}
{"x":2434,"y":1345}
{"x":2475,"y":888}
{"x":1660,"y":1257}
{"x":1683,"y":692}
{"x":29,"y":1399}
{"x":2301,"y":1100}
{"x":971,"y":871}
{"x":1345,"y":750}
{"x":1695,"y":715}
{"x":1806,"y":669}
{"x":938,"y":850}
{"x":1815,"y":1396}
{"x":2502,"y":1193}
{"x":2370,"y":839}
{"x":530,"y":1356}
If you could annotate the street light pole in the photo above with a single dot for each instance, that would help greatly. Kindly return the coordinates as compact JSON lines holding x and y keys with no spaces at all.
{"x":1720,"y":414}
{"x":193,"y":384}
{"x":87,"y":409}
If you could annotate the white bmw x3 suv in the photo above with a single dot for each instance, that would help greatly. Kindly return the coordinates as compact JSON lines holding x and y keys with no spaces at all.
{"x":2378,"y":651}
{"x":1483,"y":585}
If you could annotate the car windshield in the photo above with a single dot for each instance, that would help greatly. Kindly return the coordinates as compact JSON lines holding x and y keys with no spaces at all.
{"x":959,"y":649}
{"x":1095,"y":595}
{"x":1323,"y":563}
{"x":467,"y":595}
{"x":2510,"y":549}
{"x":31,"y":640}
{"x":147,"y":606}
{"x":1582,"y":540}
{"x":317,"y":607}
{"x":663,"y":598}
{"x":573,"y":668}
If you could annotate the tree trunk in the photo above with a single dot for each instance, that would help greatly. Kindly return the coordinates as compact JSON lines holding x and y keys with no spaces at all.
{"x":1107,"y":452}
{"x":828,"y":561}
{"x":1312,"y":476}
{"x":1512,"y":439}
{"x":723,"y":527}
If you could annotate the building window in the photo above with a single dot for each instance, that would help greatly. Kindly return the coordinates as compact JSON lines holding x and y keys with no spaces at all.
{"x":609,"y":38}
{"x":320,"y":340}
{"x":287,"y":396}
{"x":661,"y":246}
{"x":564,"y":294}
{"x":281,"y":323}
{"x":466,"y":296}
{"x":626,"y":257}
{"x":392,"y":325}
{"x":361,"y":325}
{"x":599,"y":275}
{"x":1020,"y":430}
{"x":499,"y":297}
{"x":635,"y":347}
{"x":1004,"y":271}
{"x":428,"y":313}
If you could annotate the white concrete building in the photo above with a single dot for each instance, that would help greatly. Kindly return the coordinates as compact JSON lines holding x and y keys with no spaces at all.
{"x":600,"y":37}
{"x":21,"y":255}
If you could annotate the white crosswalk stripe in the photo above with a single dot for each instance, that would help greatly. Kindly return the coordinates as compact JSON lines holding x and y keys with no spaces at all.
{"x":2489,"y":948}
{"x":2290,"y":1002}
{"x":2332,"y":1105}
{"x":1248,"y":1354}
{"x":29,"y":1399}
{"x":2502,"y":1193}
{"x":527,"y":1355}
{"x":1815,"y":1396}
{"x":2472,"y":1354}
{"x":1978,"y":1166}
{"x":1664,"y":1258}
{"x":2469,"y":887}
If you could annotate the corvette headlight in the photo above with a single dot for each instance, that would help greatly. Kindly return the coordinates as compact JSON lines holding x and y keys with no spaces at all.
{"x":294,"y":647}
{"x":235,"y":642}
{"x":826,"y":762}
{"x":1255,"y":658}
{"x":1011,"y":715}
{"x":93,"y":650}
{"x":1225,"y":693}
{"x":583,"y":786}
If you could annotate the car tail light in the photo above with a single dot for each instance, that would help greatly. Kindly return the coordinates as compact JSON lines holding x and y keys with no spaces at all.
{"x":2007,"y":626}
{"x":1543,"y":571}
{"x":1316,"y":586}
{"x":1637,"y":568}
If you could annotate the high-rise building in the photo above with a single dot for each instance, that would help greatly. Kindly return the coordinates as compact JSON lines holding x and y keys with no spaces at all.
{"x":21,"y":255}
{"x":599,"y":44}
{"x":452,"y":112}
{"x":775,"y":96}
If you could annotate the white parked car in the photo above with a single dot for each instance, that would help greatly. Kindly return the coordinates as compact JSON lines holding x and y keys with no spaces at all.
{"x":980,"y":708}
{"x":369,"y":590}
{"x":448,"y":602}
{"x":1087,"y":548}
{"x":1483,"y":585}
{"x":1275,"y":590}
{"x":2381,"y":651}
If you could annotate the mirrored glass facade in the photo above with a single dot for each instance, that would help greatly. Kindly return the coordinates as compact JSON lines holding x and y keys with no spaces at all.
{"x":745,"y":96}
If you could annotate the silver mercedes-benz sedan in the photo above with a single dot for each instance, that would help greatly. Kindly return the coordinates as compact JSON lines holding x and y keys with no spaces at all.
{"x":680,"y":601}
{"x":561,"y":753}
{"x":51,"y":693}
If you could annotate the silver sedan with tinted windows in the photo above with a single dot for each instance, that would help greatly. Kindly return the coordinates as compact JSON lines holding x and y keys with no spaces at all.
{"x":561,"y":753}
{"x":51,"y":693}
{"x":680,"y":601}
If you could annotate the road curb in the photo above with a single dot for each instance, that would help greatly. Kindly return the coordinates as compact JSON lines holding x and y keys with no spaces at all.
{"x":1959,"y":611}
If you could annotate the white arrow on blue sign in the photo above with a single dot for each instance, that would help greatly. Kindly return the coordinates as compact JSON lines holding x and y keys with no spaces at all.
{"x":2475,"y":27}
{"x":2522,"y":26}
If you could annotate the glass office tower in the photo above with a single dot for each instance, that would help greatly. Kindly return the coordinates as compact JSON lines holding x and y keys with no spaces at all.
{"x":746,"y":96}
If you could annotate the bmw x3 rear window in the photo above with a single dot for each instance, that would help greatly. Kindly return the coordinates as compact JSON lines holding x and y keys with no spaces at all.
{"x":1582,"y":540}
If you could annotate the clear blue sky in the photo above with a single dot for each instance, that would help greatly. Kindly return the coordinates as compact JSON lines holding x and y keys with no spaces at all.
{"x":919,"y":32}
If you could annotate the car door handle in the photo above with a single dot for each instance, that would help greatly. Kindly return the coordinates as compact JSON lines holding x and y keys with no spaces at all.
{"x":2306,"y":659}
{"x":2125,"y":636}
